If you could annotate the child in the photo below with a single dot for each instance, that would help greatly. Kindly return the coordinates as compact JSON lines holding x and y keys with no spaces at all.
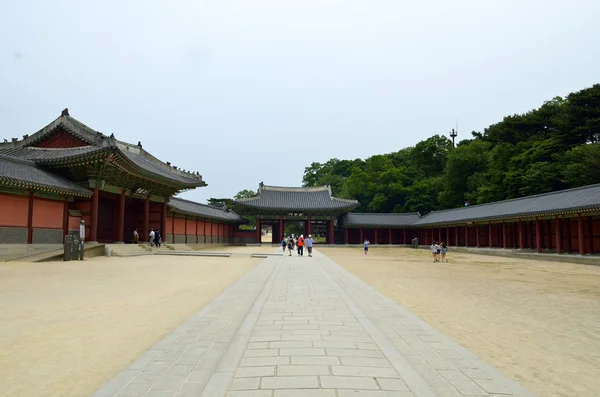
{"x":434,"y":251}
{"x":366,"y":245}
{"x":283,"y":244}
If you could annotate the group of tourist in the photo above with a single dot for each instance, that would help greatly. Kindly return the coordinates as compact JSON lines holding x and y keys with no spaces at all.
{"x":438,"y":250}
{"x":154,"y":238}
{"x":290,"y":242}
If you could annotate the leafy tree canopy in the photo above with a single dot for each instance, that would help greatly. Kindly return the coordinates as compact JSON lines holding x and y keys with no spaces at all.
{"x":554,"y":147}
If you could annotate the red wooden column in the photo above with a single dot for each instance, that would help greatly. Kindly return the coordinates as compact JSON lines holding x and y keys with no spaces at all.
{"x":196,"y":220}
{"x":185,"y":228}
{"x":345,"y":235}
{"x":490,"y":242}
{"x":404,"y":237}
{"x":258,"y":231}
{"x":432,"y":236}
{"x":439,"y":234}
{"x":568,"y":236}
{"x":94,"y":216}
{"x":521,"y":236}
{"x":145,"y":229}
{"x":590,"y":223}
{"x":281,"y":228}
{"x":456,"y":236}
{"x":558,"y":236}
{"x":390,"y":236}
{"x":448,"y":239}
{"x":309,"y":225}
{"x":477,"y":235}
{"x":163,"y":220}
{"x":538,"y":235}
{"x":211,"y":232}
{"x":331,"y":230}
{"x":376,"y":230}
{"x":466,"y":235}
{"x":361,"y":235}
{"x":205,"y":231}
{"x":580,"y":235}
{"x":30,"y":220}
{"x":504,"y":242}
{"x":65,"y":219}
{"x":173,"y":228}
{"x":121,"y":217}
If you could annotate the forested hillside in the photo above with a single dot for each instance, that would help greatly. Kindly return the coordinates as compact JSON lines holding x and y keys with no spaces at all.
{"x":550,"y":148}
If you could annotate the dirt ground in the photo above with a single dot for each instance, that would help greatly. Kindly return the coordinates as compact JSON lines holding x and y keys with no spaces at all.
{"x":66,"y":328}
{"x":537,"y":322}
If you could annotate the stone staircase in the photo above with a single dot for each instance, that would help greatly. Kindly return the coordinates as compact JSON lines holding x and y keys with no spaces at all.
{"x":127,"y":250}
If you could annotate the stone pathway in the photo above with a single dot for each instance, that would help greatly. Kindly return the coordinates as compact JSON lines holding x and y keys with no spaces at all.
{"x":306,"y":327}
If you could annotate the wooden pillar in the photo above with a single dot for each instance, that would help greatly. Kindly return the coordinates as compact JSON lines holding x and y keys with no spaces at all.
{"x":466,"y":235}
{"x":504,"y":242}
{"x":258,"y":230}
{"x":94,"y":216}
{"x":590,"y":224}
{"x":538,"y":235}
{"x":331,"y":234}
{"x":173,"y":228}
{"x":456,"y":236}
{"x":432,"y":236}
{"x":196,"y":220}
{"x":521,"y":235}
{"x":205,"y":231}
{"x":281,"y":228}
{"x":439,"y":234}
{"x":490,"y":242}
{"x":558,"y":236}
{"x":376,"y":230}
{"x":30,"y":220}
{"x":477,"y":235}
{"x":211,"y":232}
{"x":65,"y":219}
{"x":309,"y":225}
{"x":404,"y":237}
{"x":346,"y":235}
{"x":580,"y":235}
{"x":145,"y":229}
{"x":568,"y":236}
{"x":185,"y":229}
{"x":390,"y":236}
{"x":121,"y":216}
{"x":448,"y":239}
{"x":163,"y":220}
{"x":361,"y":235}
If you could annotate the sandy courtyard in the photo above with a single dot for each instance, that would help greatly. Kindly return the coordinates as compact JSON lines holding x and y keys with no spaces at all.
{"x":66,"y":328}
{"x":538,"y":322}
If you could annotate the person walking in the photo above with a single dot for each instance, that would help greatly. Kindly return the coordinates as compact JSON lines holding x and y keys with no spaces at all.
{"x":309,"y":244}
{"x":444,"y":250}
{"x":151,"y":238}
{"x":290,"y":245}
{"x":136,"y":237}
{"x":157,"y":240}
{"x":366,"y":246}
{"x":301,"y":245}
{"x":283,"y":244}
{"x":434,"y":251}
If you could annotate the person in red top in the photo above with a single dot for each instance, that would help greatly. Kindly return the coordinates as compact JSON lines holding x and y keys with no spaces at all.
{"x":300,"y":245}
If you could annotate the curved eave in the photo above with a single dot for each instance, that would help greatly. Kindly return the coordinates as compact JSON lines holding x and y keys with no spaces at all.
{"x":10,"y":182}
{"x":516,"y":217}
{"x":125,"y":164}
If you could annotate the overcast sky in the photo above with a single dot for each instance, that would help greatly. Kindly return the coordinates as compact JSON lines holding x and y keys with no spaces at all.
{"x":254,"y":90}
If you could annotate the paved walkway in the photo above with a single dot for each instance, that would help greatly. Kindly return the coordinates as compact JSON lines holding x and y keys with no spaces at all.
{"x":306,"y":327}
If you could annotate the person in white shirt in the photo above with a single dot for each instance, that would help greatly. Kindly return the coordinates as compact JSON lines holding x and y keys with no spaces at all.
{"x":435,"y":251}
{"x":151,"y":238}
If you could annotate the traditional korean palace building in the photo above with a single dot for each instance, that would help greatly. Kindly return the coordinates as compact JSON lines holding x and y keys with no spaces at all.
{"x":67,"y":172}
{"x":566,"y":221}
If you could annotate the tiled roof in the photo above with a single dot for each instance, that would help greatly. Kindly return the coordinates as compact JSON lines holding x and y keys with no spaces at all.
{"x":26,"y":174}
{"x":297,"y":199}
{"x":584,"y":198}
{"x":356,"y":219}
{"x":204,"y":211}
{"x":96,"y":142}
